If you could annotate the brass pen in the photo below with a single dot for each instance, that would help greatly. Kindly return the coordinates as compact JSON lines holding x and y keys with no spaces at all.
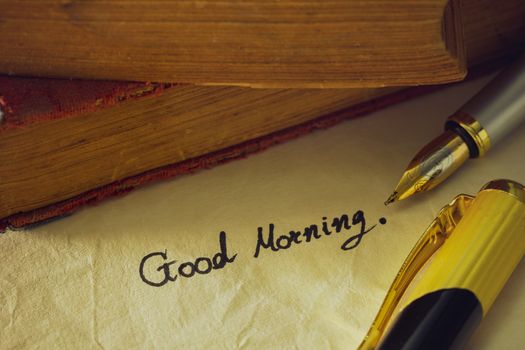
{"x":483,"y":121}
{"x":452,"y":276}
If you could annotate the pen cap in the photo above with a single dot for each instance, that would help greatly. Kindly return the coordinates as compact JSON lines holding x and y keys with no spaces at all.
{"x":484,"y":248}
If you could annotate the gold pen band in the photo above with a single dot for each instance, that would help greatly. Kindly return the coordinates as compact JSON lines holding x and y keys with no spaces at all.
{"x":511,"y":187}
{"x":473,"y":128}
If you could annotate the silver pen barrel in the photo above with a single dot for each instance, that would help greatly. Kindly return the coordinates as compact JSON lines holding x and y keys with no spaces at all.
{"x":497,"y":109}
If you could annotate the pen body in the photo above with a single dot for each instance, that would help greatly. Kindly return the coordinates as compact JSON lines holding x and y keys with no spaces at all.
{"x":456,"y":287}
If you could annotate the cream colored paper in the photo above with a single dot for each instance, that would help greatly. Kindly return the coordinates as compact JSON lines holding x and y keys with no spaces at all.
{"x":75,"y":283}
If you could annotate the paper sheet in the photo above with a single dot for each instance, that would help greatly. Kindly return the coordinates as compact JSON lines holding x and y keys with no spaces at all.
{"x":76,"y":282}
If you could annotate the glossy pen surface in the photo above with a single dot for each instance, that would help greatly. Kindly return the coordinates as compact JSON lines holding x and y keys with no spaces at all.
{"x":454,"y":273}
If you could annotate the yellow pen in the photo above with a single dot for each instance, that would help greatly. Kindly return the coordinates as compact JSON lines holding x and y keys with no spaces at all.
{"x":452,"y":276}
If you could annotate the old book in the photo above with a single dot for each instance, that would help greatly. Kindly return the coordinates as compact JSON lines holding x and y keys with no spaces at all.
{"x":260,"y":43}
{"x":57,"y":152}
{"x":67,"y":143}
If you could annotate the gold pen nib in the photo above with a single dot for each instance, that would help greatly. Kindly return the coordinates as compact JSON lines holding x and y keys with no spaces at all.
{"x":392,"y":198}
{"x":431,"y":166}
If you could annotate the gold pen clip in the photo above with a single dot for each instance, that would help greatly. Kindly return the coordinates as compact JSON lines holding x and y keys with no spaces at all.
{"x":433,"y":238}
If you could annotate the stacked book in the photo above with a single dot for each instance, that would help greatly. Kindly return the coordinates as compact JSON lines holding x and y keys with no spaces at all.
{"x":100,"y":97}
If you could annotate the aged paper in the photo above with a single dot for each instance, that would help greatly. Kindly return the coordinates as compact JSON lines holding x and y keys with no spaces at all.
{"x":153,"y":270}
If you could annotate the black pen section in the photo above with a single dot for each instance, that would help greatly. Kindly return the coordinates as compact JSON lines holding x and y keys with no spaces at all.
{"x":443,"y":319}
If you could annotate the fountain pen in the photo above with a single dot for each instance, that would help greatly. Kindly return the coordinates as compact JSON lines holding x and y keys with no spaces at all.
{"x":479,"y":124}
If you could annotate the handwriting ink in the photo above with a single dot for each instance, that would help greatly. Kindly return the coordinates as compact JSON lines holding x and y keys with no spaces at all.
{"x":339,"y":223}
{"x":326,"y":231}
{"x":296,"y":236}
{"x":156,"y":269}
{"x":261,"y":243}
{"x":202,"y":265}
{"x":164,"y":267}
{"x":358,"y":218}
{"x":288,"y":242}
{"x":312,"y":233}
